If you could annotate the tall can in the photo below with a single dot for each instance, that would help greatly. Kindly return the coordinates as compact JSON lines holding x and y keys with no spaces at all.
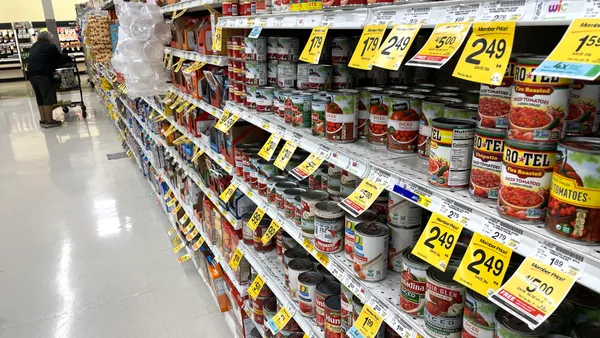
{"x":377,"y":124}
{"x":351,"y":222}
{"x":342,"y":77}
{"x":329,"y":227}
{"x":401,"y":238}
{"x":341,"y":115}
{"x":317,"y":123}
{"x":450,"y":153}
{"x":319,"y":77}
{"x":403,"y":124}
{"x":432,"y":107}
{"x":365,"y":96}
{"x":445,"y":303}
{"x":413,"y":280}
{"x":272,"y":48}
{"x":341,"y":49}
{"x":302,"y":76}
{"x":479,"y":316}
{"x":301,"y":110}
{"x":346,"y":304}
{"x":309,"y":199}
{"x":401,"y":212}
{"x":324,"y":291}
{"x":264,"y":99}
{"x":333,"y":317}
{"x":371,"y":251}
{"x":307,"y":292}
{"x":494,"y":101}
{"x":584,"y":105}
{"x":286,"y":74}
{"x":486,"y":165}
{"x":287,"y":49}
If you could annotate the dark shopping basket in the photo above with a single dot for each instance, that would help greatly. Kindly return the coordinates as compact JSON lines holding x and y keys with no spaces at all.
{"x":67,"y":79}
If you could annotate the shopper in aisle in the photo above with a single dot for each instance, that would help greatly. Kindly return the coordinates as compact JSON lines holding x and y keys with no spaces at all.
{"x":44,"y":57}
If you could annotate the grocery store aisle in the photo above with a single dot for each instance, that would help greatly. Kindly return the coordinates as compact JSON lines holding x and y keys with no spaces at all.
{"x":83,"y":244}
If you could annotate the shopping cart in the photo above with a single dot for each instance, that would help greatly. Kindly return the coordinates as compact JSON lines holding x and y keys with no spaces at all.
{"x":67,"y":79}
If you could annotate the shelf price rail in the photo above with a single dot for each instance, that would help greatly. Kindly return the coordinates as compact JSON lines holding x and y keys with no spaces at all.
{"x":217,"y":60}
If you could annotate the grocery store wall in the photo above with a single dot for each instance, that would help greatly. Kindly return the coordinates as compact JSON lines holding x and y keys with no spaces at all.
{"x":31,"y":10}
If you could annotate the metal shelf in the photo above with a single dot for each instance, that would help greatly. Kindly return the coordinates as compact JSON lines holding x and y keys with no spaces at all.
{"x":190,"y":5}
{"x":216,"y":60}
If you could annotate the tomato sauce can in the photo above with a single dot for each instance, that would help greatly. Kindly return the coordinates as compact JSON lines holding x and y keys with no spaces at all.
{"x":301,"y":110}
{"x":432,"y":107}
{"x":479,"y":316}
{"x":486,"y":165}
{"x":286,"y":75}
{"x":307,"y":292}
{"x":288,"y":256}
{"x":403,"y":123}
{"x":280,"y":188}
{"x":289,"y":201}
{"x":319,"y":77}
{"x":317,"y":122}
{"x":287,"y":49}
{"x":329,"y":227}
{"x":346,"y":308}
{"x":525,"y":180}
{"x":461,"y":111}
{"x":342,"y":77}
{"x":412,"y":284}
{"x":401,"y":238}
{"x":371,"y":251}
{"x":341,"y":116}
{"x":256,"y":73}
{"x":341,"y":49}
{"x":309,"y":199}
{"x":574,"y":205}
{"x":494,"y":101}
{"x":315,"y":181}
{"x":260,"y":230}
{"x":270,"y":192}
{"x":509,"y":326}
{"x":445,"y":302}
{"x":264,"y":99}
{"x":351,"y":222}
{"x":295,"y":268}
{"x":247,"y":166}
{"x":324,"y":291}
{"x":333,"y":317}
{"x":365,"y":97}
{"x":584,"y":104}
{"x":239,"y":157}
{"x":401,"y":212}
{"x":450,"y":153}
{"x":538,"y":104}
{"x":377,"y":124}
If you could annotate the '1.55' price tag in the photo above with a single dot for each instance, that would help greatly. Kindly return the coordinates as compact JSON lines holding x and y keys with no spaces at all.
{"x":438,"y":240}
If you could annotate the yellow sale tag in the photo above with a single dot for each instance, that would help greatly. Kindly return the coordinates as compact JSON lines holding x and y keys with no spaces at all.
{"x":367,"y":323}
{"x":280,"y":319}
{"x":271,"y":231}
{"x":321,"y":257}
{"x":183,"y":258}
{"x":189,"y":110}
{"x":228,"y":192}
{"x":255,"y":218}
{"x":396,"y":45}
{"x":197,"y":154}
{"x":306,"y":168}
{"x":363,"y":196}
{"x":175,"y":15}
{"x":217,"y":39}
{"x":443,"y":42}
{"x":486,"y":53}
{"x":438,"y":241}
{"x":188,"y":228}
{"x":285,"y":155}
{"x":424,"y":201}
{"x":178,"y":65}
{"x":198,"y":244}
{"x":152,"y":114}
{"x":170,"y":62}
{"x":236,"y":258}
{"x":171,"y":202}
{"x":167,"y":97}
{"x":171,"y":231}
{"x":191,"y":235}
{"x":484,"y":265}
{"x":183,"y":106}
{"x":177,"y":208}
{"x":367,"y":47}
{"x":193,"y":67}
{"x":175,"y":240}
{"x":308,"y":245}
{"x":183,"y":219}
{"x":229,"y":122}
{"x":268,"y":148}
{"x":312,"y":51}
{"x":178,"y":247}
{"x":256,"y":286}
{"x":222,"y":119}
{"x":181,"y":139}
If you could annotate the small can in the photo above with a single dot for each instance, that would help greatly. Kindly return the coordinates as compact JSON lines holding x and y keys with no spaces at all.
{"x":239,"y":157}
{"x":251,"y":97}
{"x":479,"y":317}
{"x":333,"y":317}
{"x":256,"y":73}
{"x":247,"y":166}
{"x":260,"y":230}
{"x":445,"y":302}
{"x":236,"y":44}
{"x":401,"y":212}
{"x":270,"y":192}
{"x":376,"y":125}
{"x":346,"y":308}
{"x":258,"y":309}
{"x":486,"y":165}
{"x":371,"y":251}
{"x":283,"y":99}
{"x":319,"y":77}
{"x":401,"y":238}
{"x":494,"y":101}
{"x":584,"y":104}
{"x":254,"y":171}
{"x":365,"y":96}
{"x":288,"y":256}
{"x":279,"y":193}
{"x":287,"y":49}
{"x":302,"y":76}
{"x":271,"y":48}
{"x":450,"y":153}
{"x":309,"y":199}
{"x":351,"y":222}
{"x":341,"y":115}
{"x":286,"y":74}
{"x":329,"y":227}
{"x":341,"y":49}
{"x":289,"y":196}
{"x":255,"y":49}
{"x":296,"y":267}
{"x":461,"y":111}
{"x":342,"y":77}
{"x":307,"y":292}
{"x":301,"y":110}
{"x":403,"y":125}
{"x":324,"y":291}
{"x":432,"y":107}
{"x":347,"y":182}
{"x":413,"y":280}
{"x":272,"y":73}
{"x":264,"y":99}
{"x":507,"y":326}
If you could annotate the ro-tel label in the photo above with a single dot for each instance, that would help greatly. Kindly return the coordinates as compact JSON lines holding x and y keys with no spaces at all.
{"x":236,"y":258}
{"x":312,"y":51}
{"x":577,"y":55}
{"x":445,"y":40}
{"x":366,"y":193}
{"x":312,"y":162}
{"x":484,"y":265}
{"x":367,"y":47}
{"x":396,"y":45}
{"x":268,"y":148}
{"x":486,"y":53}
{"x":256,"y":286}
{"x":438,"y":240}
{"x":228,"y":192}
{"x":271,"y":231}
{"x":367,"y":324}
{"x":534,"y":291}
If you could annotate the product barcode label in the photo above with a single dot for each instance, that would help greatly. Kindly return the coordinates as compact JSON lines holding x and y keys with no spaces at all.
{"x":383,"y":17}
{"x":462,"y":12}
{"x":502,"y":232}
{"x":288,"y":82}
{"x":559,"y":258}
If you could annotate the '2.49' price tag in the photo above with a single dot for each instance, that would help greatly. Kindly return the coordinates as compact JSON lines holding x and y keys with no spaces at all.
{"x":312,"y":51}
{"x":438,"y":240}
{"x":396,"y":45}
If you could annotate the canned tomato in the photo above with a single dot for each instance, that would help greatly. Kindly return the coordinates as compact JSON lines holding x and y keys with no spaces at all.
{"x":255,"y":49}
{"x":347,"y":182}
{"x":295,"y":268}
{"x":264,"y":99}
{"x":342,"y":77}
{"x":450,"y":153}
{"x":329,"y":227}
{"x":509,"y":326}
{"x":341,"y":49}
{"x":301,"y":110}
{"x":286,"y":74}
{"x":346,"y":308}
{"x":371,"y":251}
{"x":288,"y":256}
{"x":479,"y":316}
{"x":270,"y":192}
{"x":574,"y":205}
{"x":403,"y":123}
{"x":315,"y":181}
{"x":376,"y":125}
{"x":236,"y":44}
{"x":307,"y":292}
{"x":230,"y":8}
{"x":461,"y":111}
{"x":333,"y":317}
{"x":351,"y":222}
{"x":432,"y":107}
{"x":318,"y":117}
{"x":308,"y":200}
{"x":302,"y":76}
{"x":272,"y":73}
{"x":401,"y":212}
{"x":445,"y":302}
{"x":583,"y":107}
{"x":239,"y":157}
{"x":272,"y":48}
{"x":412,"y":284}
{"x":260,"y":230}
{"x":486,"y":165}
{"x":265,"y":170}
{"x":251,"y":97}
{"x":538,"y":104}
{"x":525,"y":180}
{"x":279,"y":193}
{"x":494,"y":101}
{"x":247,"y":166}
{"x":380,"y":206}
{"x":258,"y":309}
{"x":365,"y":97}
{"x":287,"y":49}
{"x":341,"y":115}
{"x":256,"y":73}
{"x":268,"y":310}
{"x":319,"y":77}
{"x":324,"y":291}
{"x":281,"y":99}
{"x":254,"y":171}
{"x":401,"y":238}
{"x":289,"y":196}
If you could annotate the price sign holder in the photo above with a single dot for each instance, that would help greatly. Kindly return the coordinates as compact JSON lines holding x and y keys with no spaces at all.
{"x":366,"y":193}
{"x":183,"y":258}
{"x":256,"y":286}
{"x":236,"y":258}
{"x":228,"y":192}
{"x":486,"y":53}
{"x":217,"y":40}
{"x":502,"y":232}
{"x":269,"y":147}
{"x":367,"y":47}
{"x":311,"y":163}
{"x":420,"y":199}
{"x":438,"y":241}
{"x":444,"y":41}
{"x":271,"y":231}
{"x":285,"y":155}
{"x":198,"y":244}
{"x":367,"y":324}
{"x":312,"y":51}
{"x":396,"y":45}
{"x":559,"y":258}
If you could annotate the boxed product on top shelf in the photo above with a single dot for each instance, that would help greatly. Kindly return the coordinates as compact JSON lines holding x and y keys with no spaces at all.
{"x":209,"y":84}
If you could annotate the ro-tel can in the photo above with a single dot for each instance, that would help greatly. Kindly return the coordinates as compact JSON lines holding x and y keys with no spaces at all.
{"x":289,"y":196}
{"x":461,"y":111}
{"x":287,"y":49}
{"x":494,"y":101}
{"x":295,"y":268}
{"x":255,"y":49}
{"x":538,"y":104}
{"x":376,"y":125}
{"x":403,"y":125}
{"x":341,"y":115}
{"x":271,"y":48}
{"x":279,"y":193}
{"x":365,"y":95}
{"x":412,"y":284}
{"x":586,"y":305}
{"x":247,"y":166}
{"x":270,"y":191}
{"x":260,"y":230}
{"x":351,"y":222}
{"x":254,"y":170}
{"x":380,"y":206}
{"x":401,"y":212}
{"x":288,"y":256}
{"x":251,"y":97}
{"x":333,"y":317}
{"x":256,"y":73}
{"x":325,"y":290}
{"x":301,"y":110}
{"x":342,"y":77}
{"x":329,"y":227}
{"x":264,"y":99}
{"x":525,"y":180}
{"x":341,"y":49}
{"x":347,"y":182}
{"x":286,"y":74}
{"x":315,"y":181}
{"x":509,"y":326}
{"x":319,"y":77}
{"x":309,"y":199}
{"x":560,"y":319}
{"x":401,"y":237}
{"x":302,"y":76}
{"x":584,"y":104}
{"x":574,"y":205}
{"x":247,"y":233}
{"x":266,"y":169}
{"x":445,"y":302}
{"x":307,"y":292}
{"x":479,"y":316}
{"x":239,"y":157}
{"x":432,"y":107}
{"x":450,"y":153}
{"x":371,"y":251}
{"x":486,"y":165}
{"x":272,"y":73}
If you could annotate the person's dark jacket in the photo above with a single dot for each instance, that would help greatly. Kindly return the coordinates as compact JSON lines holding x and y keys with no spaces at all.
{"x":44,"y":57}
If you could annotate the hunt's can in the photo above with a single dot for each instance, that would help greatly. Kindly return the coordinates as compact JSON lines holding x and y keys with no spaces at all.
{"x":479,"y":316}
{"x":432,"y":107}
{"x":365,"y":97}
{"x":351,"y":222}
{"x":401,"y":237}
{"x":307,"y":292}
{"x":333,"y":317}
{"x":341,"y":115}
{"x":371,"y":251}
{"x":324,"y":291}
{"x":403,"y":124}
{"x":412,"y":284}
{"x":329,"y":227}
{"x":264,"y":99}
{"x":445,"y":302}
{"x":309,"y":199}
{"x":319,"y":77}
{"x":584,"y":105}
{"x":486,"y":165}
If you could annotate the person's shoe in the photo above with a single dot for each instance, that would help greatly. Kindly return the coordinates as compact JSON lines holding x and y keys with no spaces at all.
{"x":53,"y":124}
{"x":43,"y":124}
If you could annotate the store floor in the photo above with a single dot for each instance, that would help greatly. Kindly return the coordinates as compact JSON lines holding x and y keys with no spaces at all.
{"x":83,"y":244}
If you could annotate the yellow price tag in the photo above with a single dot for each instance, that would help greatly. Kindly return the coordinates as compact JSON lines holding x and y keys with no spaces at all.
{"x":396,"y":45}
{"x":308,"y":167}
{"x":228,"y":123}
{"x":183,"y":219}
{"x":486,"y":53}
{"x":222,"y":119}
{"x":363,"y":196}
{"x":171,"y":202}
{"x":424,"y":201}
{"x":176,"y":210}
{"x":183,"y":258}
{"x":191,"y":235}
{"x":312,"y":51}
{"x":280,"y":319}
{"x":170,"y":131}
{"x":168,"y":193}
{"x":367,"y":323}
{"x":167,"y":97}
{"x":484,"y":265}
{"x":175,"y":240}
{"x":152,"y":114}
{"x":198,"y":244}
{"x":256,"y":286}
{"x":367,"y":47}
{"x":183,"y":106}
{"x":285,"y":155}
{"x":170,"y":62}
{"x":175,"y":15}
{"x":256,"y":218}
{"x":195,"y":66}
{"x":189,"y":110}
{"x":443,"y":42}
{"x":236,"y":258}
{"x":271,"y":231}
{"x":228,"y":192}
{"x":188,"y":228}
{"x":268,"y":148}
{"x":321,"y":257}
{"x":181,"y":139}
{"x":178,"y":247}
{"x":217,"y":39}
{"x":171,"y":231}
{"x":438,"y":241}
{"x":178,"y":65}
{"x":197,"y":154}
{"x":308,"y":245}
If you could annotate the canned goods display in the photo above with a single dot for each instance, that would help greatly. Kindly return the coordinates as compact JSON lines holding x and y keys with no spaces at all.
{"x":403,"y":123}
{"x":365,"y":94}
{"x":486,"y":165}
{"x":333,"y":317}
{"x":324,"y":291}
{"x":255,"y":74}
{"x":286,"y":74}
{"x":259,"y":232}
{"x":307,"y":292}
{"x":479,"y":315}
{"x":309,"y":199}
{"x":584,"y":105}
{"x":255,"y":49}
{"x":445,"y":303}
{"x":509,"y":326}
{"x":319,"y":77}
{"x":301,"y":110}
{"x":371,"y":251}
{"x":377,"y":124}
{"x":295,"y":268}
{"x":264,"y":99}
{"x":302,"y":76}
{"x":401,"y":212}
{"x":348,"y":182}
{"x":287,"y":49}
{"x":432,"y":107}
{"x":346,"y":308}
{"x":494,"y":101}
{"x":329,"y":227}
{"x":401,"y":237}
{"x":279,"y":193}
{"x":342,"y":77}
{"x":412,"y":284}
{"x":341,"y":115}
{"x":270,"y":192}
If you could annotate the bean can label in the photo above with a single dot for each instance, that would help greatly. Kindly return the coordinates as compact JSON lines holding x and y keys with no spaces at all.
{"x":525,"y":180}
{"x":377,"y":124}
{"x":487,"y":163}
{"x":494,"y":101}
{"x":341,"y":117}
{"x":403,"y":125}
{"x":583,"y":107}
{"x":329,"y":234}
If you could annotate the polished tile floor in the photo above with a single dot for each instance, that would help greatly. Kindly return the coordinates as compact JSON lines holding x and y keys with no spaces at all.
{"x":83,"y":244}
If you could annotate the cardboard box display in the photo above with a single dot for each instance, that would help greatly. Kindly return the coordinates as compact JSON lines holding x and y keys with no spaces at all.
{"x":241,"y":132}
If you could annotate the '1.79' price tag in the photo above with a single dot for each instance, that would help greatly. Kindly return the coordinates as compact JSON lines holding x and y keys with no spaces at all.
{"x":312,"y":51}
{"x":438,"y":240}
{"x":367,"y":47}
